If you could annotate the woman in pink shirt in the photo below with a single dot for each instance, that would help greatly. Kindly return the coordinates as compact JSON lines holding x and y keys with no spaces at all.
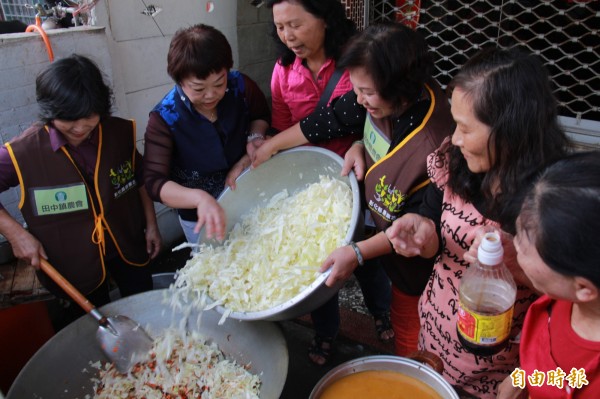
{"x":506,"y":132}
{"x":310,"y":36}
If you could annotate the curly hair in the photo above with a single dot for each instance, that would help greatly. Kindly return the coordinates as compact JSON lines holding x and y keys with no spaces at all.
{"x":510,"y":93}
{"x":339,"y":28}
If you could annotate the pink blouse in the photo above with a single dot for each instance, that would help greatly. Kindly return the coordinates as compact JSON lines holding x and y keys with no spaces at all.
{"x":295,"y":94}
{"x":438,"y":306}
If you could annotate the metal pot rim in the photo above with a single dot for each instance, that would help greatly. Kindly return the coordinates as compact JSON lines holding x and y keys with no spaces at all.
{"x":275,"y":312}
{"x":383,"y":362}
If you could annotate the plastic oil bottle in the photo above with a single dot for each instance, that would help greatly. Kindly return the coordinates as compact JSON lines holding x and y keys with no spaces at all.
{"x":487,"y":295}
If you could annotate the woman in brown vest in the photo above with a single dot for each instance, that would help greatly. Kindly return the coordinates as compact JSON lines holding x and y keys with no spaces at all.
{"x":404,"y":116}
{"x":82,"y":196}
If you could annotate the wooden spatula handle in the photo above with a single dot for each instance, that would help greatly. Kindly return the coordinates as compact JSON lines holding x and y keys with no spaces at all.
{"x":65,"y":285}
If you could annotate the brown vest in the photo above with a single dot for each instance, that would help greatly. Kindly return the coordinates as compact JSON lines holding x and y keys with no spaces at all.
{"x":391,"y":181}
{"x":72,"y":219}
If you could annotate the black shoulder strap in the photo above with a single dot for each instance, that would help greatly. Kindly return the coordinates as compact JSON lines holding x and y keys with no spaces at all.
{"x":333,"y":81}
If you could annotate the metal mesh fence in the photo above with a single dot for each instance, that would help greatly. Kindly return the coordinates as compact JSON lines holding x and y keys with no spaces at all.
{"x":355,"y":10}
{"x":21,"y":10}
{"x":563,"y":33}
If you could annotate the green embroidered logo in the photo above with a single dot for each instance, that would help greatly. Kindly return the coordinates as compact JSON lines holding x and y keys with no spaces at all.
{"x":123,"y":179}
{"x":390,"y":197}
{"x":123,"y":174}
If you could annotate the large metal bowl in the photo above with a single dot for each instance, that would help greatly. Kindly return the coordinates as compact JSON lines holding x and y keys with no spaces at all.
{"x":292,"y":170}
{"x":56,"y":370}
{"x":408,"y":367}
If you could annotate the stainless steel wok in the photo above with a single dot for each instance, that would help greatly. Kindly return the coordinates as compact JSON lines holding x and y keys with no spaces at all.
{"x":57,"y":369}
{"x":292,"y":170}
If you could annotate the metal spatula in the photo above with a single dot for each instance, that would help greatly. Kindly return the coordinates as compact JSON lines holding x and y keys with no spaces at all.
{"x":123,"y":341}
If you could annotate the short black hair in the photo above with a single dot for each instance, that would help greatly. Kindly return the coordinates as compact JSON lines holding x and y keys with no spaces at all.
{"x":560,"y":215}
{"x":396,"y":58}
{"x":198,"y":51}
{"x":72,"y":88}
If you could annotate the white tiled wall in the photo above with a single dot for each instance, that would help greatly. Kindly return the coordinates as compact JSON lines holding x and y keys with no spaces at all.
{"x":131,"y":49}
{"x":23,"y":57}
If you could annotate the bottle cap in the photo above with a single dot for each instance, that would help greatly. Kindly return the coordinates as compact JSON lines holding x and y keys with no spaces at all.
{"x":490,"y":250}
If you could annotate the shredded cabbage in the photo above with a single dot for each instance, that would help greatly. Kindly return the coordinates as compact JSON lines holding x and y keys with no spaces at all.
{"x":183,"y":365}
{"x":273,"y":254}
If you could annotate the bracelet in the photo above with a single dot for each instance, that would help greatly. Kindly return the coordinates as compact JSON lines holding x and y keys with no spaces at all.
{"x":361,"y":142}
{"x":255,"y":136}
{"x":361,"y":261}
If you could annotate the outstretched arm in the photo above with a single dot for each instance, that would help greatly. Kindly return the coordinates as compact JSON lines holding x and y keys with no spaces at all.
{"x":210,"y":213}
{"x":289,"y":138}
{"x":344,"y":260}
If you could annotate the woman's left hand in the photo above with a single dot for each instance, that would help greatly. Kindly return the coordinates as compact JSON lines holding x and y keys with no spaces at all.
{"x":153,"y":241}
{"x":355,"y":160}
{"x":210,"y":215}
{"x":263,"y":153}
{"x":254,"y":145}
{"x":236,"y":171}
{"x":342,"y":262}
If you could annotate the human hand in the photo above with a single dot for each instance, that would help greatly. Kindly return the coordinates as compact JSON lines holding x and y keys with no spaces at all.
{"x":355,"y":160}
{"x":413,"y":235}
{"x":153,"y":240}
{"x":263,"y":153}
{"x":211,"y":216}
{"x":25,"y":246}
{"x":471,"y":255}
{"x":236,"y":171}
{"x":506,"y":390}
{"x":253,"y":145}
{"x":342,"y":262}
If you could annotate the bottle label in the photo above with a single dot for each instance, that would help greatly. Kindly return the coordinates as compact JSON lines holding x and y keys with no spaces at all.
{"x":484,"y":329}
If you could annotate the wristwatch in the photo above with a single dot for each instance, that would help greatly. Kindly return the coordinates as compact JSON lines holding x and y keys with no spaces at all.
{"x":255,"y":136}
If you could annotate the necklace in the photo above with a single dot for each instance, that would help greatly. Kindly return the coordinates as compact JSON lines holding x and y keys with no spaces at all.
{"x":211,"y":115}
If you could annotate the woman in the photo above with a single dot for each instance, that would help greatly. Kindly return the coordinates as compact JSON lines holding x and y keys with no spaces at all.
{"x":506,"y":130}
{"x":87,"y":211}
{"x":196,"y":138}
{"x":404,"y":116}
{"x":558,"y":250}
{"x":310,"y":35}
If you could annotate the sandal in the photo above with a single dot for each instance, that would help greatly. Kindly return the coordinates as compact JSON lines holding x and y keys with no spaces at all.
{"x":383,"y":326}
{"x":320,"y":350}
